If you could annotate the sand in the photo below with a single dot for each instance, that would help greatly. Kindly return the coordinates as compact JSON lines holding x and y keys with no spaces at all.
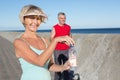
{"x":98,"y":56}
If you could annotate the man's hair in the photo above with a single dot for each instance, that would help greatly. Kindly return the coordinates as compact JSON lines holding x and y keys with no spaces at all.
{"x":61,"y":13}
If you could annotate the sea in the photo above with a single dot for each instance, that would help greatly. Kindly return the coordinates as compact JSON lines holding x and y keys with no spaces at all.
{"x":84,"y":31}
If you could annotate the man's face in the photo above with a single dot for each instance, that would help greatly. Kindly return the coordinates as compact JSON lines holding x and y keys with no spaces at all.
{"x":62,"y":19}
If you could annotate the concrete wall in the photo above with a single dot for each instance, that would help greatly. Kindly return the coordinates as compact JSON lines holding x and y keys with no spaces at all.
{"x":98,"y":55}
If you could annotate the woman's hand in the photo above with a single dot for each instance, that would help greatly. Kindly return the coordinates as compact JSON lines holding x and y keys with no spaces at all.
{"x":66,"y":39}
{"x":66,"y":66}
{"x":60,"y":68}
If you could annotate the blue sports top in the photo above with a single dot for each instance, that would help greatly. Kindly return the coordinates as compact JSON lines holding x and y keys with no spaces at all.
{"x":34,"y":72}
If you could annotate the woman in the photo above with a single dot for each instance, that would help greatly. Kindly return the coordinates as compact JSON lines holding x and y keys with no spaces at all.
{"x":33,"y":51}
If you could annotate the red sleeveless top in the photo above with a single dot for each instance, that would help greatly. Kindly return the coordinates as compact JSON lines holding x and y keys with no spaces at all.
{"x":61,"y":31}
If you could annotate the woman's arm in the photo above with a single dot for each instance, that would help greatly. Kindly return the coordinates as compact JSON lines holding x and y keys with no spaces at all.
{"x":58,"y":68}
{"x":24,"y":51}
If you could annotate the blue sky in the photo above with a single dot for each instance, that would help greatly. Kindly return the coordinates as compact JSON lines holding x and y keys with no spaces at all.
{"x":80,"y":13}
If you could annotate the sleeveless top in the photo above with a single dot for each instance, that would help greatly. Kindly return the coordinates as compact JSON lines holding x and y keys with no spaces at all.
{"x":61,"y":31}
{"x":34,"y":72}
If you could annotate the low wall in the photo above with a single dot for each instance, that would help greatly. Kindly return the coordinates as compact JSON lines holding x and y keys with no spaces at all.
{"x":98,"y":55}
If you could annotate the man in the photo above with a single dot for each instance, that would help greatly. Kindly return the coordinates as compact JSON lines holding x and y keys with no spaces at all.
{"x":61,"y":50}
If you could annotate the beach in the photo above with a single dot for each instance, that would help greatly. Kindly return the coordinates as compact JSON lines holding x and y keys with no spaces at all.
{"x":98,"y":56}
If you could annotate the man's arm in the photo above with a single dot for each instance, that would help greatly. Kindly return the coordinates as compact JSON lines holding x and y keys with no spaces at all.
{"x":52,"y":34}
{"x":70,"y":35}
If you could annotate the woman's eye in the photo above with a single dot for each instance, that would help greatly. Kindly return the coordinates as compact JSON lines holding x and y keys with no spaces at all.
{"x":32,"y":17}
{"x":38,"y":18}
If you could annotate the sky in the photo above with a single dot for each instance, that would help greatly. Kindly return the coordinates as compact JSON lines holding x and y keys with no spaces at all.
{"x":80,"y":13}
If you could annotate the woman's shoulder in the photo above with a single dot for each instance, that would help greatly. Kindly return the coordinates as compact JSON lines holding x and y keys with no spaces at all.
{"x":18,"y":41}
{"x":42,"y":37}
{"x":45,"y":39}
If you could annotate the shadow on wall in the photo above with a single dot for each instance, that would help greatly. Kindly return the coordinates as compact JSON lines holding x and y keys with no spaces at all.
{"x":9,"y":66}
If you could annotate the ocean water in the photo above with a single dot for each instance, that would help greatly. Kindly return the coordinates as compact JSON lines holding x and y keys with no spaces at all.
{"x":101,"y":30}
{"x":84,"y":31}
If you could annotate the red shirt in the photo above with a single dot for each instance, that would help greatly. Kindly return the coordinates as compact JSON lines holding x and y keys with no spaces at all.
{"x":62,"y":31}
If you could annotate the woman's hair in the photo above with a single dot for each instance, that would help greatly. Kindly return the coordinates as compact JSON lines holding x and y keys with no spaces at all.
{"x":31,"y":10}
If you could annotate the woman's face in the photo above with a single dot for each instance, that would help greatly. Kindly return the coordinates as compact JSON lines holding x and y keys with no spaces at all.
{"x":32,"y":22}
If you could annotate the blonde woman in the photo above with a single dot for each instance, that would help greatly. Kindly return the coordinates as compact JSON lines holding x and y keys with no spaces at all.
{"x":33,"y":51}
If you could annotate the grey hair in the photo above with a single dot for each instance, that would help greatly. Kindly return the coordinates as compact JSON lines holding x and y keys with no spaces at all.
{"x":61,"y":13}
